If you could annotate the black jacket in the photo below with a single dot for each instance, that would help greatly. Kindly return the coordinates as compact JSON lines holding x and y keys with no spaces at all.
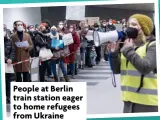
{"x":33,"y":52}
{"x":111,"y":27}
{"x":9,"y":49}
{"x":42,"y":40}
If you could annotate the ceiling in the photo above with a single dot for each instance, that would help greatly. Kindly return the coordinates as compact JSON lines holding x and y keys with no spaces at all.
{"x":144,"y":6}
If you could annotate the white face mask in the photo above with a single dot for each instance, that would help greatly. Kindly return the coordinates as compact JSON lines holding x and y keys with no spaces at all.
{"x":86,"y":29}
{"x":104,"y":24}
{"x":20,"y":28}
{"x":71,"y":30}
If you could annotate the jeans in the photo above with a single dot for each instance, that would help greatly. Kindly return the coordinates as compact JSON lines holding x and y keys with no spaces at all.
{"x":61,"y":64}
{"x":72,"y":68}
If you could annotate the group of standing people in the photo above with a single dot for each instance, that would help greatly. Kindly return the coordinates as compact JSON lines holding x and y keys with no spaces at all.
{"x":82,"y":51}
{"x":135,"y":61}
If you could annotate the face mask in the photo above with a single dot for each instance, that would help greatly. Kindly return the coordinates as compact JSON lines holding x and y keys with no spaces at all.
{"x":132,"y":32}
{"x":110,"y":23}
{"x":53,"y":32}
{"x":71,"y":30}
{"x":104,"y":24}
{"x":32,"y":30}
{"x":60,"y":26}
{"x":44,"y":31}
{"x":86,"y":29}
{"x":20,"y":28}
{"x":96,"y":28}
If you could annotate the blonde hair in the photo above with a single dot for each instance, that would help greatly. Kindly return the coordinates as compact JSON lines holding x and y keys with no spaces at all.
{"x":53,"y":28}
{"x":141,"y":38}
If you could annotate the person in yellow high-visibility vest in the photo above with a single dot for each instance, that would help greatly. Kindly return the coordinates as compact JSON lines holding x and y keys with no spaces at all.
{"x":136,"y":64}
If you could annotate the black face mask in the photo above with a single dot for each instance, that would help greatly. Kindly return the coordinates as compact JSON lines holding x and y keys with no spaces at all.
{"x":131,"y":32}
{"x":44,"y":31}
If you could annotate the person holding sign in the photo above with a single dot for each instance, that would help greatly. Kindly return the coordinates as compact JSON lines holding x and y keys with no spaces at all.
{"x":23,"y":45}
{"x":9,"y":57}
{"x":57,"y":54}
{"x":72,"y":48}
{"x":62,"y":31}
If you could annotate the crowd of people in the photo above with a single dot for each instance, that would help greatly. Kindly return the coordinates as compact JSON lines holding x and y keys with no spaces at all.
{"x":134,"y":60}
{"x":82,"y":52}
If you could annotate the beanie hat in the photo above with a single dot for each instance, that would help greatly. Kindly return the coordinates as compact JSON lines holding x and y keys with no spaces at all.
{"x":29,"y":26}
{"x":53,"y":27}
{"x":47,"y":23}
{"x":145,"y":23}
{"x":96,"y":25}
{"x":36,"y":25}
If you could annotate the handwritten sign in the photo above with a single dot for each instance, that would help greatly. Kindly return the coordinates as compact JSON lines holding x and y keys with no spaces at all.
{"x":68,"y":39}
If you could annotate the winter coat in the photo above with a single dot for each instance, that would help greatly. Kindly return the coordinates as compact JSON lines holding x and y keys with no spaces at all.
{"x":42,"y":40}
{"x":73,"y":48}
{"x":9,"y":49}
{"x":22,"y":54}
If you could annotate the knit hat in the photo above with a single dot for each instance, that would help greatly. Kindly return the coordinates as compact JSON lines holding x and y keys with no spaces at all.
{"x":145,"y":23}
{"x":29,"y":26}
{"x":53,"y":27}
{"x":36,"y":25}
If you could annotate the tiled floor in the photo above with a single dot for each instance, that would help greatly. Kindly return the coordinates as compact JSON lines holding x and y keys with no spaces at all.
{"x":102,"y":97}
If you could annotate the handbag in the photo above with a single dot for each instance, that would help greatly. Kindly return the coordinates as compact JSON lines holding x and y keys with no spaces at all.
{"x":45,"y":54}
{"x":65,"y":52}
{"x":57,"y":54}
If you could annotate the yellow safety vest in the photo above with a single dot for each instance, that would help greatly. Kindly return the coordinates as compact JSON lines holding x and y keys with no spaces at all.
{"x":130,"y":82}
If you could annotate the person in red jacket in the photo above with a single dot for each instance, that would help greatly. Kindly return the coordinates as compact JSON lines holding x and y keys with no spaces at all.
{"x":73,"y":48}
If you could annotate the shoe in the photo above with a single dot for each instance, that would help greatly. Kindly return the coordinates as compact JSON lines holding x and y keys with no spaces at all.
{"x":56,"y":78}
{"x":83,"y":66}
{"x":66,"y":79}
{"x":90,"y":66}
{"x":76,"y":71}
{"x":73,"y":77}
{"x":79,"y":66}
{"x":50,"y":76}
{"x":62,"y":79}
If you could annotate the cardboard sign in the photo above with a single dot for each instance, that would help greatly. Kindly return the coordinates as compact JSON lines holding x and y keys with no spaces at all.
{"x":78,"y":15}
{"x":92,"y":20}
{"x":89,"y":35}
{"x":68,"y":39}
